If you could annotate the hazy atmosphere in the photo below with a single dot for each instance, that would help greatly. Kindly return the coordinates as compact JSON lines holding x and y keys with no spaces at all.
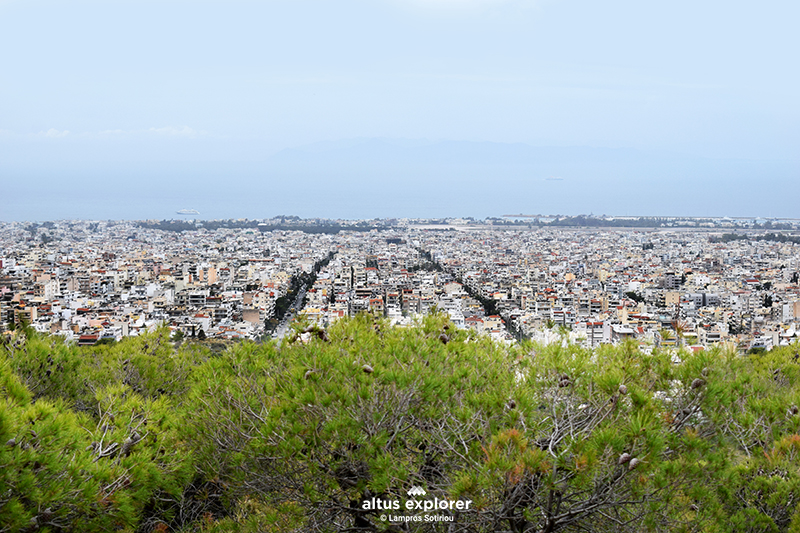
{"x":398,"y":108}
{"x":419,"y":266}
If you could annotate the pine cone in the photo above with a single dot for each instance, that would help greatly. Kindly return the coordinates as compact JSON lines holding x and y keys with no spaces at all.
{"x":127,"y":446}
{"x":697,"y":383}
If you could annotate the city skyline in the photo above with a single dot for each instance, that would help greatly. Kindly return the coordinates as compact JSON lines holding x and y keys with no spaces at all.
{"x":725,"y":280}
{"x":272,"y":265}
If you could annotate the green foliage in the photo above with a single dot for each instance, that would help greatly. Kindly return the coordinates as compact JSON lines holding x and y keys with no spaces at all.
{"x":149,"y":364}
{"x":375,"y":411}
{"x":139,"y":435}
{"x":366,"y":413}
{"x":772,"y":237}
{"x":64,"y":470}
{"x":287,"y":224}
{"x":636,"y":297}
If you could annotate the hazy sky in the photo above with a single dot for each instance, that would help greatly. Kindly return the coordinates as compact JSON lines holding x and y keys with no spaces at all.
{"x":193,"y":80}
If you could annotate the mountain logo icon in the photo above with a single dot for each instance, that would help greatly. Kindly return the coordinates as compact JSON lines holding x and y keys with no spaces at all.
{"x":417,"y":491}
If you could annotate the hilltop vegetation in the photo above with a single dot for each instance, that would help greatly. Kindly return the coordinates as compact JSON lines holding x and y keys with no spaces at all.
{"x":141,"y":436}
{"x":772,"y":237}
{"x":283,"y":224}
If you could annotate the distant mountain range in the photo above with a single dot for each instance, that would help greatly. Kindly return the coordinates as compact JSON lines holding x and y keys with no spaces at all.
{"x":376,"y":177}
{"x":384,"y":152}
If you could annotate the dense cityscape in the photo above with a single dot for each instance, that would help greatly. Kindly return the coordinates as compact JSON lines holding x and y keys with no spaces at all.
{"x":515,"y":374}
{"x":408,"y":266}
{"x":663,"y":282}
